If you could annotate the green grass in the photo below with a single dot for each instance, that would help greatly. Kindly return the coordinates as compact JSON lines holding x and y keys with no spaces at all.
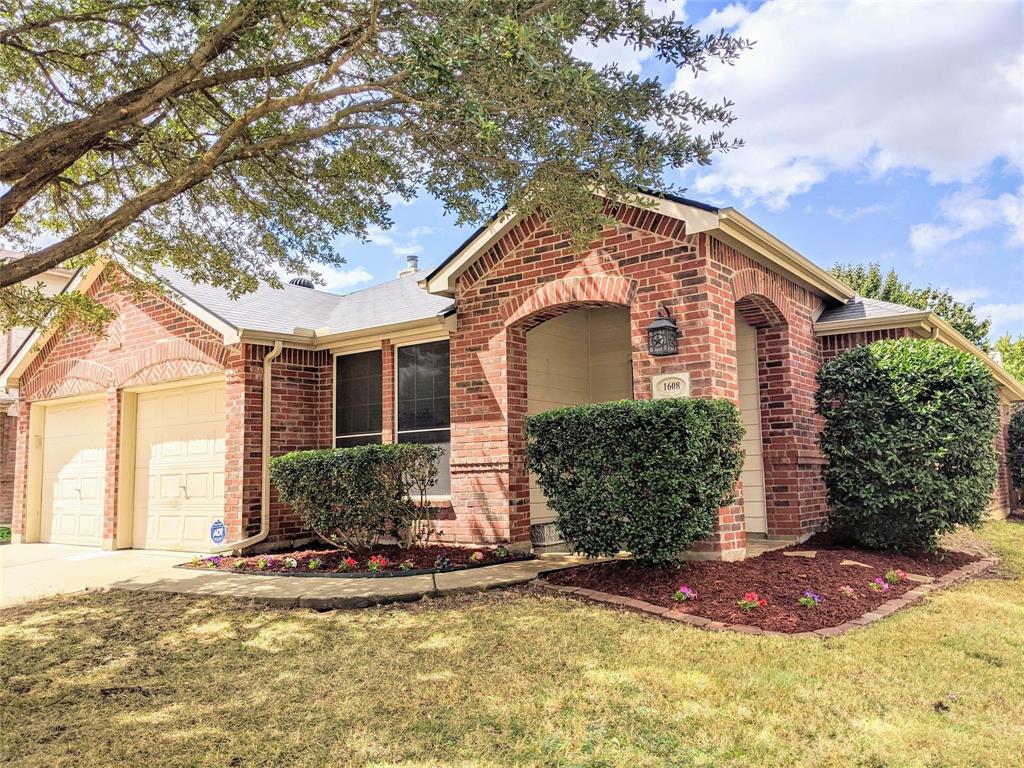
{"x":509,"y":679}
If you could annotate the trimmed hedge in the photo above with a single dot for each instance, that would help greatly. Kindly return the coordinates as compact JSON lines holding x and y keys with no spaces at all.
{"x":1015,"y":448}
{"x":646,"y":475}
{"x":909,"y":436}
{"x":353,"y":496}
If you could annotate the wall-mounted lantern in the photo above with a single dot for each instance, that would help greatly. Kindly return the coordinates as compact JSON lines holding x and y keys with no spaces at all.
{"x":662,"y":334}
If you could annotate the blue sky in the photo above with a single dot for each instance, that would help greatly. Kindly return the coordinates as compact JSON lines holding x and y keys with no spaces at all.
{"x":888,"y":132}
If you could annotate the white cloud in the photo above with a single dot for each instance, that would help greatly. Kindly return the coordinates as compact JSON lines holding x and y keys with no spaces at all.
{"x":1005,"y":317}
{"x":621,"y":53}
{"x":342,"y":279}
{"x":865,"y":86}
{"x":970,"y":295}
{"x":412,"y":249}
{"x":852,"y":214}
{"x":723,"y":18}
{"x":421,"y":231}
{"x":966,"y":212}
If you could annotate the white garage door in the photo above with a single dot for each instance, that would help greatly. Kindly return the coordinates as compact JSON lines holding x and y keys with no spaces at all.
{"x":74,"y":473}
{"x":179,"y":467}
{"x":752,"y":475}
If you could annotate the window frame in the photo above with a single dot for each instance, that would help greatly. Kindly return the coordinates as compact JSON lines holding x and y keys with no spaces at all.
{"x":378,"y":347}
{"x":394,"y":397}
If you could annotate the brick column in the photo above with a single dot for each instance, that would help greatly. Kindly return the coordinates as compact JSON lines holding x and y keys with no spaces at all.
{"x":20,"y":489}
{"x":388,"y":392}
{"x":235,"y":488}
{"x":113,"y":467}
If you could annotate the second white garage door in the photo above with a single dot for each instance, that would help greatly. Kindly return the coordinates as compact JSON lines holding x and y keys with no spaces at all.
{"x":179,"y":467}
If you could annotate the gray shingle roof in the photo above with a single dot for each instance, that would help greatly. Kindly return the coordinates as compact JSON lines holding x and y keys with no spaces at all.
{"x":861,"y":308}
{"x":282,"y":310}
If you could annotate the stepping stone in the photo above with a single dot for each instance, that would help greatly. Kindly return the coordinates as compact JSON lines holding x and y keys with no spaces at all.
{"x":808,"y":553}
{"x":854,"y":562}
{"x":916,"y":577}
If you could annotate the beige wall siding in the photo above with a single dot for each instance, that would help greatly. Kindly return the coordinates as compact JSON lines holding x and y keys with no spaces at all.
{"x":580,"y":357}
{"x":750,"y":413}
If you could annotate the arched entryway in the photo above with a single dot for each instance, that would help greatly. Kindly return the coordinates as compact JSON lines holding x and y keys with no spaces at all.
{"x":763,"y":363}
{"x":581,"y":356}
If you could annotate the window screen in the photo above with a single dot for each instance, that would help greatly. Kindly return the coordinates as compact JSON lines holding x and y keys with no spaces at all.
{"x":357,"y":399}
{"x":424,"y":414}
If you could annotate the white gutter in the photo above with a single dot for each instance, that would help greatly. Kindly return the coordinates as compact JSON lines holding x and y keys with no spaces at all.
{"x":265,"y":460}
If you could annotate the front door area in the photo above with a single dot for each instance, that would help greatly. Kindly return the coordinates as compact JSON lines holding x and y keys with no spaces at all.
{"x":752,"y":476}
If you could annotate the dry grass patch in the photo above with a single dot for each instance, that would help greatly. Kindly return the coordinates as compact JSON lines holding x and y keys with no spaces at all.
{"x":508,"y":679}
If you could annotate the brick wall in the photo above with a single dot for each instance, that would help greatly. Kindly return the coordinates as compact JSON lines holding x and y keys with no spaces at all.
{"x":644,"y":262}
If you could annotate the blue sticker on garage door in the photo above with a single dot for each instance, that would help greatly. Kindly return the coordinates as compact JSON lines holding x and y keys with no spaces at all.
{"x":218,"y":532}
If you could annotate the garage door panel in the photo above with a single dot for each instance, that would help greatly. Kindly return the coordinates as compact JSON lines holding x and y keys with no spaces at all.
{"x":74,"y":473}
{"x":179,"y":487}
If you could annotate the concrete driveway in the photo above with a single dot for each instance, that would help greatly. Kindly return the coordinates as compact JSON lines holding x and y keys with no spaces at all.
{"x":31,"y":571}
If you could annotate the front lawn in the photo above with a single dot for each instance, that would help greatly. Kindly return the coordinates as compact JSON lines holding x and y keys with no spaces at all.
{"x":509,"y":679}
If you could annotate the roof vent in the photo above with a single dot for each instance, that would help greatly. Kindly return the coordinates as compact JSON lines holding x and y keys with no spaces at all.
{"x":412,"y":264}
{"x":302,"y":282}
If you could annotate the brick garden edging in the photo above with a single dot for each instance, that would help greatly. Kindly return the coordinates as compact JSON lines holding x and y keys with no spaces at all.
{"x":915,"y":595}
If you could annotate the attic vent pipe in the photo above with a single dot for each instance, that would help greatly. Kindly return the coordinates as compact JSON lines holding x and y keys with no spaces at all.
{"x":302,"y":282}
{"x":412,"y":264}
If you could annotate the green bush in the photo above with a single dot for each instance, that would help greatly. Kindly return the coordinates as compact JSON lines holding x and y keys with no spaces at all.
{"x":909,"y":436}
{"x":353,"y":496}
{"x":647,"y":475}
{"x":5,"y":534}
{"x":1015,"y":448}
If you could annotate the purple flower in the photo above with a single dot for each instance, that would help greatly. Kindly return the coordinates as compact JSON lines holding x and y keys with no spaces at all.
{"x":684,"y":594}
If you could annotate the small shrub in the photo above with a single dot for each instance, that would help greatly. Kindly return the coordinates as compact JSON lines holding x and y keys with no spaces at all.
{"x":751,"y":601}
{"x":684,"y":594}
{"x":809,"y":599}
{"x":352,"y":496}
{"x":646,"y":475}
{"x":895,"y":576}
{"x":909,"y":436}
{"x":314,"y":565}
{"x":1015,"y":448}
{"x":5,"y":534}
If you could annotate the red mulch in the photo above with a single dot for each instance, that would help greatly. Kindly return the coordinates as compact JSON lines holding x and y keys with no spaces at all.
{"x":780,"y":579}
{"x":417,"y":558}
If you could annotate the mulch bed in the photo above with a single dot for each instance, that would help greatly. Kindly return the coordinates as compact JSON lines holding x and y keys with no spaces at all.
{"x":778,"y":578}
{"x":398,"y":561}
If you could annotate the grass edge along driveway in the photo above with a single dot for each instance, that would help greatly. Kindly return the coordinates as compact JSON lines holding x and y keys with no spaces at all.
{"x":509,"y":679}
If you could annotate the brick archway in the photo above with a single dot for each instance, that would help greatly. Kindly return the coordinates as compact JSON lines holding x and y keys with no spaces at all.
{"x":762,"y":304}
{"x":560,"y":296}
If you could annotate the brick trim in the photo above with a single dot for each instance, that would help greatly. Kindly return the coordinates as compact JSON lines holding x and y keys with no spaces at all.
{"x":760,"y":298}
{"x":558,"y":296}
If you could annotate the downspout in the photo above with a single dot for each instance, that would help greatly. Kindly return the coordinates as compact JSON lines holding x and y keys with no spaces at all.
{"x":265,"y":460}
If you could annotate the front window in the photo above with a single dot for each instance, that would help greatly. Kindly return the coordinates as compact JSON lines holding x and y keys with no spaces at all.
{"x":424,"y":414}
{"x":357,"y":403}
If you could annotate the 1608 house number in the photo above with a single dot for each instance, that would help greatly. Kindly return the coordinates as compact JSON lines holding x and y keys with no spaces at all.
{"x":665,"y":385}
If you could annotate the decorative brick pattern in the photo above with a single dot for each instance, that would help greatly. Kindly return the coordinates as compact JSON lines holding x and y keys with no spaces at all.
{"x":915,"y":595}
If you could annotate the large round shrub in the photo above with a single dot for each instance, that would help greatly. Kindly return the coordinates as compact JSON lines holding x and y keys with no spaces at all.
{"x":1015,"y":448}
{"x":909,"y":436}
{"x":646,"y":475}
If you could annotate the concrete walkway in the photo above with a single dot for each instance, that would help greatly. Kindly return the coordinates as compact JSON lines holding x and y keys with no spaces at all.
{"x":325,"y":593}
{"x":31,"y":571}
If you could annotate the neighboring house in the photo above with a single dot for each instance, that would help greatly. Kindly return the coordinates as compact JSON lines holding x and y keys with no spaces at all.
{"x":157,"y":435}
{"x":53,"y":281}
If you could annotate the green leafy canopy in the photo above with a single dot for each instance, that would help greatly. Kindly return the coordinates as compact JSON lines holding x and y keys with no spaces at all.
{"x":236,"y":140}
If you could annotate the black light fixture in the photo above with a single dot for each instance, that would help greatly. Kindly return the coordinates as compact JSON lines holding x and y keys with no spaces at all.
{"x":662,"y":334}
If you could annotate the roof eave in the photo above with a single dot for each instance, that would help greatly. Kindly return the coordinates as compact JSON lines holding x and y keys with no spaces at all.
{"x":740,"y":232}
{"x":933,"y":326}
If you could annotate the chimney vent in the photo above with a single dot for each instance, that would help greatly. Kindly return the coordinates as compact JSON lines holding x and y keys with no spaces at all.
{"x":302,"y":282}
{"x":412,"y":264}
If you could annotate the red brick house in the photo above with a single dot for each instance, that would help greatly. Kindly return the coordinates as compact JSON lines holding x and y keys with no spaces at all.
{"x":157,"y":435}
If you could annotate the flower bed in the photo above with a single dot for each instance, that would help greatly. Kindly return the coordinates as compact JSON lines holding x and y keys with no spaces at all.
{"x":386,"y":560}
{"x":775,"y":591}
